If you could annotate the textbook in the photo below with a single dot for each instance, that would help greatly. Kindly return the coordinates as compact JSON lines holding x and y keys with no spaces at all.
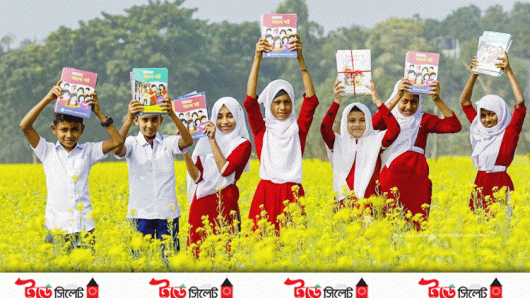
{"x":77,"y":85}
{"x":192,"y":111}
{"x":354,"y":70}
{"x":279,"y":30}
{"x":148,"y":86}
{"x":421,"y":69}
{"x":491,"y":46}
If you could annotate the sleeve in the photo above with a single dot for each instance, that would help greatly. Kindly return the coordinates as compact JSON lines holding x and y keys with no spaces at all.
{"x":326,"y":127}
{"x":392,"y":125}
{"x":128,"y":147}
{"x":255,"y":118}
{"x":198,"y":164}
{"x":172,"y":141}
{"x":434,"y":124}
{"x":470,"y":112}
{"x":377,"y":120}
{"x":307,"y":111}
{"x":96,"y":152}
{"x":516,"y":124}
{"x":237,"y":160}
{"x":42,"y":149}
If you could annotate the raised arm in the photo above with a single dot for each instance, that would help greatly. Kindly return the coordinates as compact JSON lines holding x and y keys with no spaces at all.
{"x":186,"y":140}
{"x":435,"y":92}
{"x":27,"y":122}
{"x":326,"y":127}
{"x":192,"y":168}
{"x":402,"y":88}
{"x":220,"y":160}
{"x":465,"y":97}
{"x":115,"y":139}
{"x":296,"y":44}
{"x":252,"y":83}
{"x":133,"y":108}
{"x":518,"y":93}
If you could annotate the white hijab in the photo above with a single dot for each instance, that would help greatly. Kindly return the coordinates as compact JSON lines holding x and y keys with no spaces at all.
{"x":281,"y":154}
{"x":409,"y":132}
{"x":346,"y":150}
{"x":227,"y":142}
{"x":486,"y":142}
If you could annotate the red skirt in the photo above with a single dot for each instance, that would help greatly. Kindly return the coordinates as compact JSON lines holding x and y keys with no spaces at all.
{"x":209,"y":205}
{"x":486,"y":185}
{"x":271,"y":195}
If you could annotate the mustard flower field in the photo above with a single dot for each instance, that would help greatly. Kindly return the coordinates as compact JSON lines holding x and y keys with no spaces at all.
{"x":316,"y":239}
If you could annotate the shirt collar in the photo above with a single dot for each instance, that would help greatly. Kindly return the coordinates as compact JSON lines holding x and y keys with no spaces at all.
{"x":58,"y":145}
{"x":142,"y":141}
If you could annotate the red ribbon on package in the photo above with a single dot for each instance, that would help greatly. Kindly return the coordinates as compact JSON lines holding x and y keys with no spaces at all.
{"x":353,"y":72}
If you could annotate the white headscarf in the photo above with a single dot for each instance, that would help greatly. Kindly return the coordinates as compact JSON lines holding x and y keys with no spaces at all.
{"x":486,"y":142}
{"x":346,"y":150}
{"x":409,"y":132}
{"x":227,"y":142}
{"x":281,"y":154}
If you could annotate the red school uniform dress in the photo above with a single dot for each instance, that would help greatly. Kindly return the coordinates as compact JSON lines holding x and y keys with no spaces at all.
{"x":404,"y":164}
{"x":203,"y":193}
{"x":357,"y":157}
{"x":493,"y":148}
{"x":279,"y":146}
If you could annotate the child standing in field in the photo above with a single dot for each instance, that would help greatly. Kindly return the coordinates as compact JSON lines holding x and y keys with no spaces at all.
{"x":494,"y":136}
{"x":280,"y":137}
{"x":67,"y":164}
{"x":405,"y":167}
{"x":355,"y":153}
{"x":218,"y":162}
{"x":150,"y":159}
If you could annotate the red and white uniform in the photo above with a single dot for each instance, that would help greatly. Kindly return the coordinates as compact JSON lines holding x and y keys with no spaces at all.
{"x":203,"y":193}
{"x":360,"y":158}
{"x":279,"y":146}
{"x":493,"y":148}
{"x":405,"y":165}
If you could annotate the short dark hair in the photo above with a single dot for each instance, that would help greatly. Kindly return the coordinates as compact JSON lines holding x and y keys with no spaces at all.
{"x":68,"y":118}
{"x":355,"y":109}
{"x":280,"y":93}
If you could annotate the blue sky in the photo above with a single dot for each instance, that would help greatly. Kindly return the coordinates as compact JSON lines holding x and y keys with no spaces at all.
{"x":36,"y":19}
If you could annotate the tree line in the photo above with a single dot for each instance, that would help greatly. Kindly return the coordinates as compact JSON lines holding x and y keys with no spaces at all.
{"x":216,"y":58}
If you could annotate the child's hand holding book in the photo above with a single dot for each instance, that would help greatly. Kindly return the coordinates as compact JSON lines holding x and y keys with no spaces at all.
{"x":55,"y":92}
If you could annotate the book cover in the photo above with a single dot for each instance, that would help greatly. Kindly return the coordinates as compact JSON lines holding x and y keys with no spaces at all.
{"x":150,"y":86}
{"x":491,"y":46}
{"x":279,"y":30}
{"x":192,"y":111}
{"x":77,"y":85}
{"x":354,"y":70}
{"x":421,"y":69}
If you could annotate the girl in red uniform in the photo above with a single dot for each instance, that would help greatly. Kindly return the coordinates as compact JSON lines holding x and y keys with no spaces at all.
{"x":355,"y":153}
{"x":494,"y":136}
{"x":279,"y":137}
{"x":218,"y":161}
{"x":405,"y":166}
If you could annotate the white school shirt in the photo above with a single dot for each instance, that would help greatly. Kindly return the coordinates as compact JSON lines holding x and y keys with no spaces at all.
{"x":67,"y":184}
{"x":152,"y":192}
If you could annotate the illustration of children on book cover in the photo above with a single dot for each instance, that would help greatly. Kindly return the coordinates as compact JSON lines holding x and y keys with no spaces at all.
{"x":421,"y":69}
{"x":354,"y":70}
{"x":279,"y":30}
{"x":149,"y":85}
{"x":77,"y":85}
{"x":491,"y":46}
{"x":192,"y":111}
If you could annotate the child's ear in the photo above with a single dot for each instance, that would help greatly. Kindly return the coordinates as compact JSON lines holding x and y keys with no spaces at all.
{"x":161,"y":119}
{"x":82,"y":129}
{"x":53,"y":129}
{"x":136,"y":120}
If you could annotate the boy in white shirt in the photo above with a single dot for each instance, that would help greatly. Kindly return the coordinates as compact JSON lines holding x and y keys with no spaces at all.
{"x":67,"y":165}
{"x":150,"y":158}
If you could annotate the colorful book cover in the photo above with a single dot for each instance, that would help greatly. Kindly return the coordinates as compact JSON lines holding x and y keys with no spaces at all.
{"x":421,"y":69}
{"x":150,"y":86}
{"x":77,"y":85}
{"x":354,"y":70}
{"x":192,"y":111}
{"x":279,"y":30}
{"x":491,"y":46}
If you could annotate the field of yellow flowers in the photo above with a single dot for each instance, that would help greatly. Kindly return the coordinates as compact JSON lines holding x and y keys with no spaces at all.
{"x":455,"y":239}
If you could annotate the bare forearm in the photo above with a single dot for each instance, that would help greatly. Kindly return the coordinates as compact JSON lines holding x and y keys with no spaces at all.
{"x":120,"y":150}
{"x":30,"y":118}
{"x":517,"y":92}
{"x":252,"y":83}
{"x":393,"y":102}
{"x":308,"y":83}
{"x":446,"y":111}
{"x":220,"y":160}
{"x":465,"y":97}
{"x":186,"y":139}
{"x":192,"y":168}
